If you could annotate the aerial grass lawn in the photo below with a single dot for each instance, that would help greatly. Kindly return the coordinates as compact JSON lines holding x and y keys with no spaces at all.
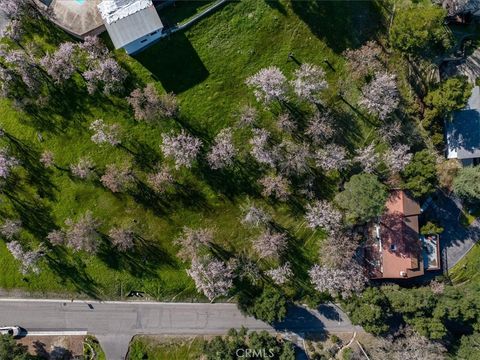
{"x":206,"y":67}
{"x":144,"y":347}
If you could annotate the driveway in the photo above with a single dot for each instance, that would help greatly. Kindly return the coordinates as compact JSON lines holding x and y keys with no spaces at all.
{"x":115,"y":323}
{"x":456,"y":240}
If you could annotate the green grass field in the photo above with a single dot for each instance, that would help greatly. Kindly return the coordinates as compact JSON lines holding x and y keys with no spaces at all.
{"x":206,"y":67}
{"x":143,"y":347}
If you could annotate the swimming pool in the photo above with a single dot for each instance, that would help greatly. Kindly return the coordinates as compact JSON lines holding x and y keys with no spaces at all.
{"x":80,"y":1}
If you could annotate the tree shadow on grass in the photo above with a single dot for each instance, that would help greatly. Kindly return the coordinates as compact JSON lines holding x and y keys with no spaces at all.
{"x":175,"y":63}
{"x":144,"y":155}
{"x":341,"y":24}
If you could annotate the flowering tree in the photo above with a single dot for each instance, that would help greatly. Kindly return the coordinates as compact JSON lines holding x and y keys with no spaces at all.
{"x":309,"y":82}
{"x":397,"y":158}
{"x":107,"y":75}
{"x":270,"y":245}
{"x":14,"y":30}
{"x":192,"y":240}
{"x":105,"y":134}
{"x":122,"y":238}
{"x":338,"y":282}
{"x":7,"y":162}
{"x":118,"y":178}
{"x":212,"y":277}
{"x":381,"y":96}
{"x":10,"y":228}
{"x":183,"y":148}
{"x":160,"y":180}
{"x":276,"y":186}
{"x":60,"y":64}
{"x":29,"y":259}
{"x":269,"y":84}
{"x":338,"y":249}
{"x":83,"y":169}
{"x":94,"y":49}
{"x":322,"y":214}
{"x":149,"y":106}
{"x":261,"y":150}
{"x":47,"y":159}
{"x":223,"y":151}
{"x":320,"y":128}
{"x":367,"y":158}
{"x":248,"y":116}
{"x":83,"y":234}
{"x":294,"y":158}
{"x":285,"y":123}
{"x":25,"y":68}
{"x":255,"y":216}
{"x":15,"y":9}
{"x":390,"y":131}
{"x":281,"y":275}
{"x":56,"y":237}
{"x":364,"y":60}
{"x":332,"y":157}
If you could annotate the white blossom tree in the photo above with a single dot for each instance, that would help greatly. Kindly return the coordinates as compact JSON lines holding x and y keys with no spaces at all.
{"x":56,"y":237}
{"x":368,"y":158}
{"x":322,"y":214}
{"x":285,"y":123}
{"x":309,"y":82}
{"x":338,"y":249}
{"x":160,"y":180}
{"x":10,"y":228}
{"x":25,"y":68}
{"x":275,"y":186}
{"x":223,"y":151}
{"x":381,"y":96}
{"x":106,"y":75}
{"x":364,"y":60}
{"x":212,"y":277}
{"x":47,"y":159}
{"x":269,"y":84}
{"x":294,"y":158}
{"x":397,"y":158}
{"x":255,"y":216}
{"x":122,"y":238}
{"x":83,"y":169}
{"x":261,"y":149}
{"x":338,"y":282}
{"x":28,"y":259}
{"x":247,"y":116}
{"x":118,"y":178}
{"x":149,"y":106}
{"x":60,"y":64}
{"x":391,"y":130}
{"x":192,"y":241}
{"x":320,"y":127}
{"x":7,"y":162}
{"x":83,"y":234}
{"x":281,"y":275}
{"x":105,"y":134}
{"x":182,"y":148}
{"x":94,"y":49}
{"x":270,"y":244}
{"x":332,"y":157}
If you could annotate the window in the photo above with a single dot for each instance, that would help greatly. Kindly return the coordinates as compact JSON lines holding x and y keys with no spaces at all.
{"x":154,"y":33}
{"x":393,"y":247}
{"x":144,"y":40}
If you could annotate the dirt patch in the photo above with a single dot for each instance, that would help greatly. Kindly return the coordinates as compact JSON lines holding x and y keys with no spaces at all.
{"x":54,"y":347}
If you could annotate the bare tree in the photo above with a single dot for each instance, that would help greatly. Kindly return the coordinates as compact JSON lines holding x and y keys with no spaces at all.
{"x":149,"y":106}
{"x":47,"y":159}
{"x":309,"y":82}
{"x":83,"y":169}
{"x":261,"y":149}
{"x":322,"y":214}
{"x":269,"y":84}
{"x":276,"y":186}
{"x":338,"y":282}
{"x":56,"y":237}
{"x":270,"y":244}
{"x":364,"y":60}
{"x":122,"y":238}
{"x":60,"y":65}
{"x":160,"y":180}
{"x":367,"y":158}
{"x":282,"y":274}
{"x":105,"y":134}
{"x":83,"y":234}
{"x":381,"y":96}
{"x":223,"y":151}
{"x":320,"y":127}
{"x":294,"y":158}
{"x":255,"y":216}
{"x":10,"y":228}
{"x":332,"y":157}
{"x":192,"y":241}
{"x":397,"y":158}
{"x":118,"y":178}
{"x":212,"y":277}
{"x":107,"y":75}
{"x":183,"y":148}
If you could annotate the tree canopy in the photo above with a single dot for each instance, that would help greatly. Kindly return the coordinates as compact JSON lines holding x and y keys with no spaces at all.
{"x":420,"y":175}
{"x":467,"y":184}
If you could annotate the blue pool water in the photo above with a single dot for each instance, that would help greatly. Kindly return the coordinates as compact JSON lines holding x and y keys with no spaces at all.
{"x":80,"y":1}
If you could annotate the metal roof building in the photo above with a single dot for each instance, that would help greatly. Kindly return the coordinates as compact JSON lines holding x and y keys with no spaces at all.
{"x":131,"y":24}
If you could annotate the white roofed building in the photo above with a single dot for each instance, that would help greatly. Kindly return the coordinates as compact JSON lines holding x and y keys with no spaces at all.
{"x":131,"y":24}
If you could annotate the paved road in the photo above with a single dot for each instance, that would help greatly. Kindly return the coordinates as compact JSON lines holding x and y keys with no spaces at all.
{"x":456,"y":240}
{"x":114,"y":323}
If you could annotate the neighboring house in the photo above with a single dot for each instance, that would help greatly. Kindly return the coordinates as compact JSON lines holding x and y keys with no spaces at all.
{"x":131,"y":24}
{"x":395,"y":249}
{"x":463,"y":132}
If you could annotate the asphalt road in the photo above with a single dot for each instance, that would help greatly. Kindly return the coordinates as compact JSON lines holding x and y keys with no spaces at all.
{"x":114,"y":323}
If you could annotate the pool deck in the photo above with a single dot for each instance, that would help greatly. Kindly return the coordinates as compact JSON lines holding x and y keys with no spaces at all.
{"x":79,"y":19}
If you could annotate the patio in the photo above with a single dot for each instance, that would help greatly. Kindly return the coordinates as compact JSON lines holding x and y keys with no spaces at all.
{"x":80,"y":18}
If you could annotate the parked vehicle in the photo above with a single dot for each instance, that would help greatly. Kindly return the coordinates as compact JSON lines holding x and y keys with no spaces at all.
{"x":11,"y":330}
